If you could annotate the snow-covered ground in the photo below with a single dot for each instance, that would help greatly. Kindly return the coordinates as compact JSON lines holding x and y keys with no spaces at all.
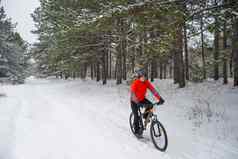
{"x":56,"y":119}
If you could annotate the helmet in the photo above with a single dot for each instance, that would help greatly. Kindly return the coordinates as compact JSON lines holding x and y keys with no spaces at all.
{"x":140,"y":73}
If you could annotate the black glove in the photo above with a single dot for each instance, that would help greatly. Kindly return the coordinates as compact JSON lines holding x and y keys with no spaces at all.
{"x":161,"y":101}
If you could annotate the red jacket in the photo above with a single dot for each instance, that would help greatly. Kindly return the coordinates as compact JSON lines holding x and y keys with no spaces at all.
{"x":139,"y":88}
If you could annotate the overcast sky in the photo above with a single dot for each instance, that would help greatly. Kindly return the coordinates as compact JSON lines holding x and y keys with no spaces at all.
{"x":19,"y":11}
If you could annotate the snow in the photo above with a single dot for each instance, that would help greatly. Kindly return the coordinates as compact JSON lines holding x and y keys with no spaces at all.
{"x":58,"y":119}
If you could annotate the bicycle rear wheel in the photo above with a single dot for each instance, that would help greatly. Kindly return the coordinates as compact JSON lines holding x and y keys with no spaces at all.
{"x":131,"y":121}
{"x":159,"y":135}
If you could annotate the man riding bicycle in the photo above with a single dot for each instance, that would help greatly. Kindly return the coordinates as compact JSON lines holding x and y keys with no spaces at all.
{"x":138,"y":92}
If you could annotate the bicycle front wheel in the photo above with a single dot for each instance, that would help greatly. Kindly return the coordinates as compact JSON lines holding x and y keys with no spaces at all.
{"x":159,"y":135}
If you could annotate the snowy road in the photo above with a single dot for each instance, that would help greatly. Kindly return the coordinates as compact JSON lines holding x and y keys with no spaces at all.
{"x":53,"y":119}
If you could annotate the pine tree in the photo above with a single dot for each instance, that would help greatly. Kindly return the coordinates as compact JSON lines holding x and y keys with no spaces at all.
{"x":13,"y":48}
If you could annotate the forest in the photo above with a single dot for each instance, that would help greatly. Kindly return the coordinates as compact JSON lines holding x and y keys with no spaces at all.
{"x":179,"y":39}
{"x":185,"y":40}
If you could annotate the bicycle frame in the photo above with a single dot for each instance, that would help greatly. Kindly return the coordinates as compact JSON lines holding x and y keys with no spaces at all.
{"x":154,"y":118}
{"x":151,"y":116}
{"x":150,"y":111}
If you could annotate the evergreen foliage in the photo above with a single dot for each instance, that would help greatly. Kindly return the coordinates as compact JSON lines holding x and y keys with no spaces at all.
{"x":13,"y":51}
{"x":110,"y":39}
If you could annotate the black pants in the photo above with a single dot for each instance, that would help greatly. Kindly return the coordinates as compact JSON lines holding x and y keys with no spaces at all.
{"x":135,"y":109}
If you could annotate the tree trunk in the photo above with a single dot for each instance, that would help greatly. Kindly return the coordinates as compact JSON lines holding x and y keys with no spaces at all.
{"x":98,"y":71}
{"x":85,"y":69}
{"x":156,"y":68}
{"x":124,"y":63}
{"x":225,"y":80}
{"x":186,"y":52}
{"x":153,"y":69}
{"x":171,"y":70}
{"x":124,"y":59}
{"x":203,"y":52}
{"x":179,"y":64}
{"x":175,"y":66}
{"x":133,"y":62}
{"x":95,"y":70}
{"x":161,"y":70}
{"x":216,"y":49}
{"x":110,"y":65}
{"x":119,"y":66}
{"x":231,"y":64}
{"x":92,"y":71}
{"x":105,"y":60}
{"x":123,"y":48}
{"x":120,"y":49}
{"x":147,"y":71}
{"x":119,"y":69}
{"x":165,"y":70}
{"x":235,"y":49}
{"x":115,"y":71}
{"x":104,"y":68}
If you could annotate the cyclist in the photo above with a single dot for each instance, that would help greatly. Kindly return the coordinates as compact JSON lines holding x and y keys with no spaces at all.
{"x":138,"y":92}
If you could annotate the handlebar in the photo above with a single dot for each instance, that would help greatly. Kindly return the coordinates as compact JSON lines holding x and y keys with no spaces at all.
{"x":157,"y":104}
{"x":153,"y":104}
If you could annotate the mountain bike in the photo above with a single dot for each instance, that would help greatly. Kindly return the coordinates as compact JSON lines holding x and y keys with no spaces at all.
{"x":157,"y":131}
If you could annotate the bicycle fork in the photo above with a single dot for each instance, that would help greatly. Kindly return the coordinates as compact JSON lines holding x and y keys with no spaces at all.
{"x":157,"y":132}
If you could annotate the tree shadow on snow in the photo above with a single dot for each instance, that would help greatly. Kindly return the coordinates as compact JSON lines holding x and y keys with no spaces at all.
{"x":2,"y":95}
